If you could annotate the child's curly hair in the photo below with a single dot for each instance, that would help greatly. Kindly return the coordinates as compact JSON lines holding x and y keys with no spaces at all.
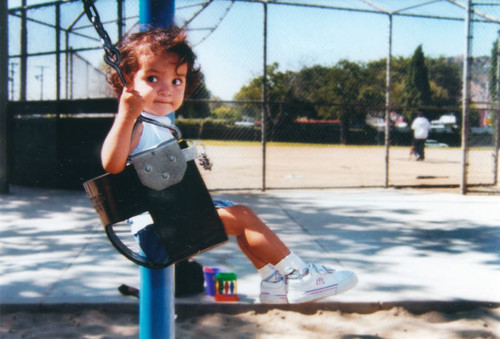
{"x":154,"y":41}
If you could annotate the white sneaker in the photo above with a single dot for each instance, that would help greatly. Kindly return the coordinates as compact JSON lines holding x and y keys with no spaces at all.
{"x":273,"y":289}
{"x":317,"y":282}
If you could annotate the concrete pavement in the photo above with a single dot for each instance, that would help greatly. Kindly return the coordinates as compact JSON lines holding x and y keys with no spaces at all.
{"x":406,"y":246}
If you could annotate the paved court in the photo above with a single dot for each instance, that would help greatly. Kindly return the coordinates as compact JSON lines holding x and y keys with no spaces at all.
{"x":406,"y":246}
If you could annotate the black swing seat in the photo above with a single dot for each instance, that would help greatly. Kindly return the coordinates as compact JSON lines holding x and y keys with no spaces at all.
{"x":183,"y":214}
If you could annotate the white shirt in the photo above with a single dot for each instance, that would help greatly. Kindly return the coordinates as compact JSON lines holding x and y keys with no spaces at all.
{"x":151,"y":136}
{"x":421,"y":127}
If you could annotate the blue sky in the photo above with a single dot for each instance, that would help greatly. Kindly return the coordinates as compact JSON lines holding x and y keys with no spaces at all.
{"x":232,"y":54}
{"x":299,"y":37}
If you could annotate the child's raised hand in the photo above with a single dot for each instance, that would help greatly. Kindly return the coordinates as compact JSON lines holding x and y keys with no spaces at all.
{"x":118,"y":142}
{"x":131,"y":103}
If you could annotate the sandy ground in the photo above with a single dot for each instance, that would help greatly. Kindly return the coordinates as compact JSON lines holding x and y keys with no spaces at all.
{"x":359,"y":167}
{"x":240,"y":167}
{"x":393,"y":323}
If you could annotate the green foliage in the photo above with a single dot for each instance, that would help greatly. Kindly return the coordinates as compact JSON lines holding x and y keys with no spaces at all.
{"x":227,"y":113}
{"x":493,"y":74}
{"x":216,"y":129}
{"x":416,"y":87}
{"x":445,"y":81}
{"x":474,"y":118}
{"x":193,"y":109}
{"x":349,"y":91}
{"x":494,"y":87}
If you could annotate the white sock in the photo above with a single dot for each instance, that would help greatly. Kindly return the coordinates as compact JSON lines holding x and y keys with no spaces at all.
{"x":291,"y":261}
{"x":266,"y":271}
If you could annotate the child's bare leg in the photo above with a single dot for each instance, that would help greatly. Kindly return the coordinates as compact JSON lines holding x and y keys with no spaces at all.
{"x":261,"y":245}
{"x":296,"y":281}
{"x":245,"y":248}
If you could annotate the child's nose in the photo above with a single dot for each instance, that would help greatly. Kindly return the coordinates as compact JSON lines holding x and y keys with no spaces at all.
{"x":165,"y":89}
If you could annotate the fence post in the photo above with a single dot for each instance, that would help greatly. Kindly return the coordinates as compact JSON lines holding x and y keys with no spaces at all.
{"x":4,"y":80}
{"x":388,"y":102}
{"x":24,"y":51}
{"x":58,"y":50}
{"x":466,"y":96}
{"x":157,"y":300}
{"x":496,"y":116}
{"x":264,"y":100}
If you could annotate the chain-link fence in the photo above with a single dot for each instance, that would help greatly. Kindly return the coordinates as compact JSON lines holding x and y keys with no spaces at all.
{"x":301,"y":94}
{"x":482,"y":144}
{"x":85,"y":80}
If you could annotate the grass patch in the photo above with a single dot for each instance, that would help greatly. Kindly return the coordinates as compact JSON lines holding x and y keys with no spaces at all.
{"x":210,"y":142}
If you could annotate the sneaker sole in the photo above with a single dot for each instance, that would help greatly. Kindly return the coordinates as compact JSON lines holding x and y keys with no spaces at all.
{"x":325,"y":291}
{"x":273,"y":299}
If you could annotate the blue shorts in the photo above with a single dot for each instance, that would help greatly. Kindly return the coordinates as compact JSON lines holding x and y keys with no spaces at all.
{"x":150,"y":242}
{"x":223,"y":203}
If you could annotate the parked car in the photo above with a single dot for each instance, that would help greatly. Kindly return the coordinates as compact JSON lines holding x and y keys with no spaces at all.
{"x":434,"y":143}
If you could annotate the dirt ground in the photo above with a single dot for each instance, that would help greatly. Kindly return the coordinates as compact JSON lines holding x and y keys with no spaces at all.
{"x":240,"y":166}
{"x":296,"y":167}
{"x":393,"y":323}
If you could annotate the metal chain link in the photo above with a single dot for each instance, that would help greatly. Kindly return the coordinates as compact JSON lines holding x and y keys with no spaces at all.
{"x":112,"y":54}
{"x":176,"y":132}
{"x":112,"y":57}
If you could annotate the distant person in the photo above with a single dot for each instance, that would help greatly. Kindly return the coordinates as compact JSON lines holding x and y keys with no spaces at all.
{"x":421,"y":127}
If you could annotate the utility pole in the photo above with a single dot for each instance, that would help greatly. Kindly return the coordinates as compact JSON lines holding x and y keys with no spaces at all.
{"x":24,"y":53}
{"x":11,"y":78}
{"x":40,"y":77}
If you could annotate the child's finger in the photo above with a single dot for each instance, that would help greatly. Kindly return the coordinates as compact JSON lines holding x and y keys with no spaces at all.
{"x":132,"y":93}
{"x":129,"y":89}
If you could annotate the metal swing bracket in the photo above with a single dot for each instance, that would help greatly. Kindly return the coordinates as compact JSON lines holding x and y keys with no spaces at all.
{"x":162,"y":166}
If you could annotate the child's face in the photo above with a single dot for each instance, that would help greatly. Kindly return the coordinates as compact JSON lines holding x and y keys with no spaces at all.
{"x":161,"y":83}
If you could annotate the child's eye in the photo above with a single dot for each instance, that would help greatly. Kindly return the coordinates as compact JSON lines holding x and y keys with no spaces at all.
{"x":152,"y":78}
{"x":177,"y":81}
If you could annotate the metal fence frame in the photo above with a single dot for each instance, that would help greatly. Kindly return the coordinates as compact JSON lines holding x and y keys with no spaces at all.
{"x":468,"y":20}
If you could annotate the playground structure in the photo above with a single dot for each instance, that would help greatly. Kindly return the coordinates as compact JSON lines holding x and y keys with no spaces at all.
{"x":75,"y":55}
{"x":156,"y":286}
{"x":166,"y":183}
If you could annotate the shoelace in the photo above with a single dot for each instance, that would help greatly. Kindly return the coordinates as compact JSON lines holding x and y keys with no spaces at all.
{"x":293,"y":273}
{"x":275,"y":277}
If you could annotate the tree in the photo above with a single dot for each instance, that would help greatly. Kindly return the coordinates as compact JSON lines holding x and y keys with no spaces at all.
{"x":494,"y":83}
{"x":493,"y":74}
{"x":280,"y":106}
{"x":347,"y":92}
{"x":227,"y":113}
{"x":445,"y":81}
{"x":335,"y":92}
{"x":373,"y":89}
{"x":193,"y":109}
{"x":250,"y":92}
{"x":416,"y":92}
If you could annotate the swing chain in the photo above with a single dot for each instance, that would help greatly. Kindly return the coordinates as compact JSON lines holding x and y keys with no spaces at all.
{"x":112,"y":58}
{"x":112,"y":54}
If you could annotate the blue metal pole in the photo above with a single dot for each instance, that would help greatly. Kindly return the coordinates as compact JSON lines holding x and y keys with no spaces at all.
{"x":157,"y":303}
{"x":156,"y":13}
{"x":157,"y":287}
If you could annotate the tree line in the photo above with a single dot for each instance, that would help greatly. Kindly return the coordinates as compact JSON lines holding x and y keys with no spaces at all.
{"x":347,"y":91}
